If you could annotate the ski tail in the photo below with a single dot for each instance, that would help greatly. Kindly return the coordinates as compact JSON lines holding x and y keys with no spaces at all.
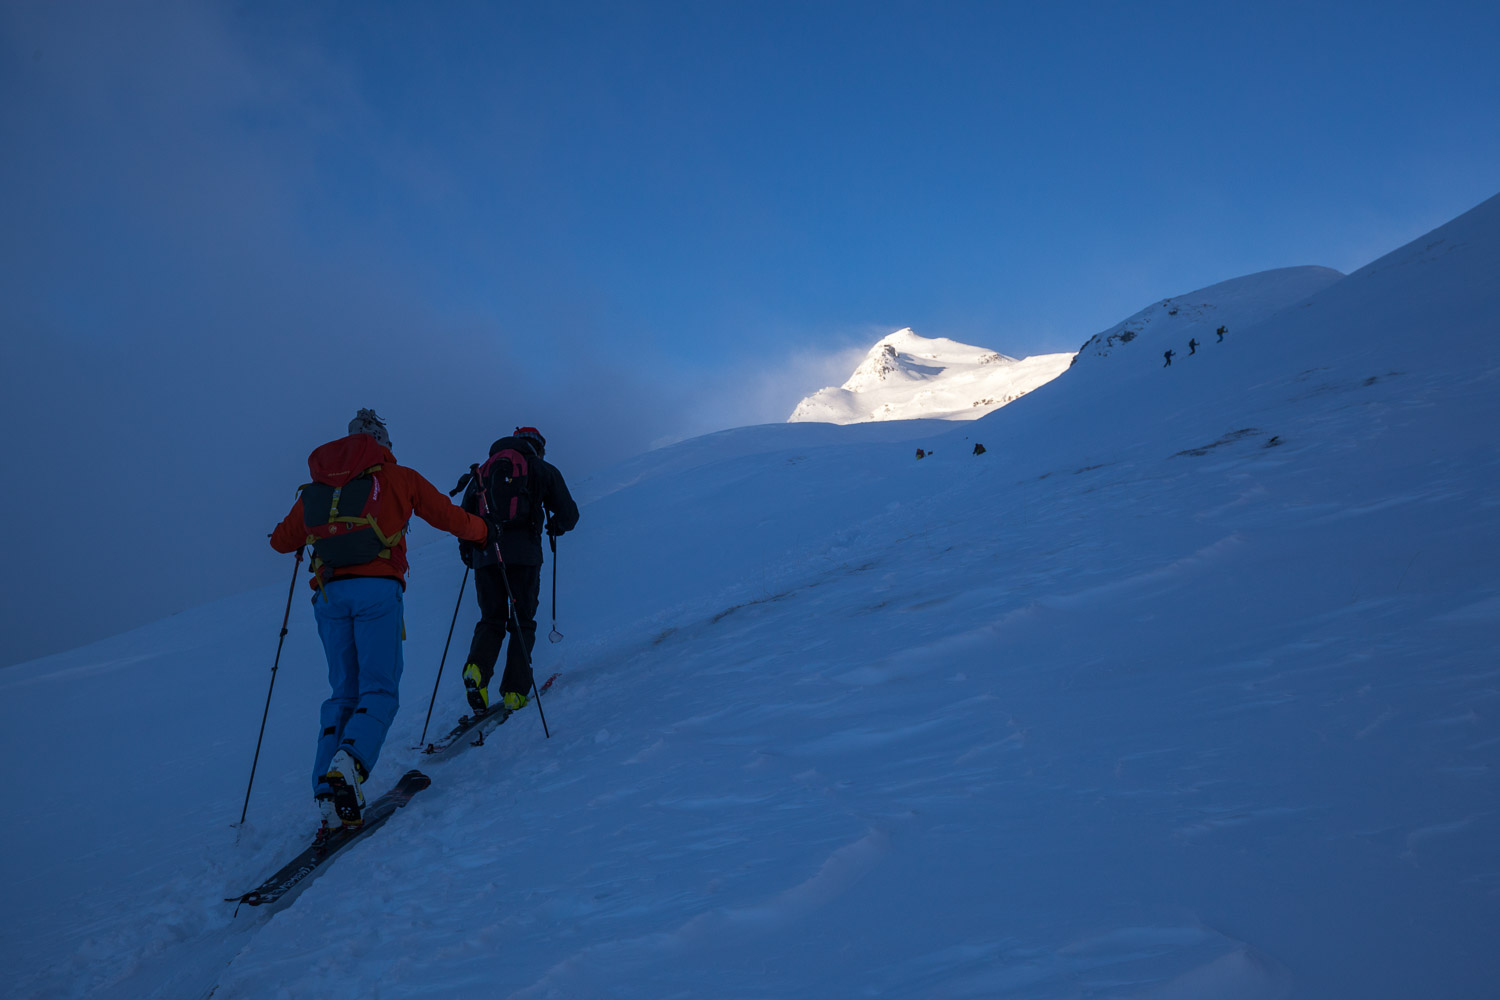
{"x":329,"y":843}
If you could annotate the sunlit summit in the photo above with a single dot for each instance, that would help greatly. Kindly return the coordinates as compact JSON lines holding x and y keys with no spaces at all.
{"x":907,"y":376}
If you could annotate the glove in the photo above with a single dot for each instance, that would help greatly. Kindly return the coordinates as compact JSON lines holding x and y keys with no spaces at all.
{"x":553,"y":530}
{"x":466,"y":554}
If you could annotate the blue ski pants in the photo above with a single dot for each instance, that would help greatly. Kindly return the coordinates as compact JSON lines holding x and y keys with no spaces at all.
{"x":360,"y":625}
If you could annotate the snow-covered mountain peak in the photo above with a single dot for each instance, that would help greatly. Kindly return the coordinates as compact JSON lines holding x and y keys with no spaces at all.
{"x":907,"y":354}
{"x":907,"y":376}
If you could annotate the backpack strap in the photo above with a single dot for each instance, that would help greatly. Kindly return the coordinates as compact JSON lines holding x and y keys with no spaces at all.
{"x":387,"y":542}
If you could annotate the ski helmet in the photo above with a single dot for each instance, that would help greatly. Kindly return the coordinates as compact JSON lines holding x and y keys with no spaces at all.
{"x":534,"y":435}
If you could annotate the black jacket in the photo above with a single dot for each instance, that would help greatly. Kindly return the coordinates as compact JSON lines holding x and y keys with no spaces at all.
{"x":521,"y":541}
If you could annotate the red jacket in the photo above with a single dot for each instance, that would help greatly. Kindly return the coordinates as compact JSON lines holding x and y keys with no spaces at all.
{"x":405,"y":493}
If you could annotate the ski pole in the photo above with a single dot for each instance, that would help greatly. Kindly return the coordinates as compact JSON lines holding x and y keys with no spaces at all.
{"x":554,"y":635}
{"x":515,"y":636}
{"x":423,"y":741}
{"x":276,"y":663}
{"x":510,"y":602}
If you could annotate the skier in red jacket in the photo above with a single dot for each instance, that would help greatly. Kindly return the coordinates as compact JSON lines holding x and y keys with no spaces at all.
{"x":354,"y":515}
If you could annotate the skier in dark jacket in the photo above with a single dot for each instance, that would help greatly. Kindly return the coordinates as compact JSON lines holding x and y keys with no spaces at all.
{"x":521,"y":568}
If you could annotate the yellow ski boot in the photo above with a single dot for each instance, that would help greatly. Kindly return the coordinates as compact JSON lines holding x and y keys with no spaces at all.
{"x":475,"y":688}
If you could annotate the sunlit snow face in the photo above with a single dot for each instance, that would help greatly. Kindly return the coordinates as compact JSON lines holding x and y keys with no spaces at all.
{"x":906,"y":376}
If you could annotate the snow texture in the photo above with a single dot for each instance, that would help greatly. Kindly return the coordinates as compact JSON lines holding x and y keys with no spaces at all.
{"x":1186,"y":688}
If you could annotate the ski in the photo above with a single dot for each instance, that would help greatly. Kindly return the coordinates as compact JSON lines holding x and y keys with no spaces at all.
{"x":472,"y":729}
{"x":304,"y":866}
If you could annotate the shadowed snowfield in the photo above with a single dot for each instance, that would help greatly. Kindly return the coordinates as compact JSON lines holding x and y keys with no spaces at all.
{"x":1187,"y":688}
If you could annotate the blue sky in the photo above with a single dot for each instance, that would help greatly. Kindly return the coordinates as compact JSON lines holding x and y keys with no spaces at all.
{"x":230,"y":225}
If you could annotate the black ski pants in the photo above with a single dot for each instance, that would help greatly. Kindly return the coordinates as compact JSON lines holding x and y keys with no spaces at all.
{"x":494,"y":622}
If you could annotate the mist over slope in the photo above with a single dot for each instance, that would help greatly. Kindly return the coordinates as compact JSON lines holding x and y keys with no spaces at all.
{"x":1185,"y":688}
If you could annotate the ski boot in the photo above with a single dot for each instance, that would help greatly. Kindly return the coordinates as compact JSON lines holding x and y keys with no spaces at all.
{"x":328,"y":811}
{"x":345,"y":776}
{"x":475,"y":688}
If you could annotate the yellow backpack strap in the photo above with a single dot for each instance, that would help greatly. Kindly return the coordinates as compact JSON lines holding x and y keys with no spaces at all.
{"x":315,"y":566}
{"x":338,"y":491}
{"x":389,"y":541}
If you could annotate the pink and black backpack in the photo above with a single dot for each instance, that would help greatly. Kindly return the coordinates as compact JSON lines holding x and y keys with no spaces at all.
{"x":504,"y":490}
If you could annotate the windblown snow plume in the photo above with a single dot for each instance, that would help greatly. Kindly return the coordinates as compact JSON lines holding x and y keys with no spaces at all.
{"x":907,"y":376}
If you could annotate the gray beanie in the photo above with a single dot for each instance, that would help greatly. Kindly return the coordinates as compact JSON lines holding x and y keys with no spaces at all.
{"x":369,"y":422}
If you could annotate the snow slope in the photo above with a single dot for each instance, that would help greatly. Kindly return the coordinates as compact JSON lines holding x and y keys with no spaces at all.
{"x":743,"y":442}
{"x":1175,"y":322}
{"x":908,"y":377}
{"x":1187,"y":688}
